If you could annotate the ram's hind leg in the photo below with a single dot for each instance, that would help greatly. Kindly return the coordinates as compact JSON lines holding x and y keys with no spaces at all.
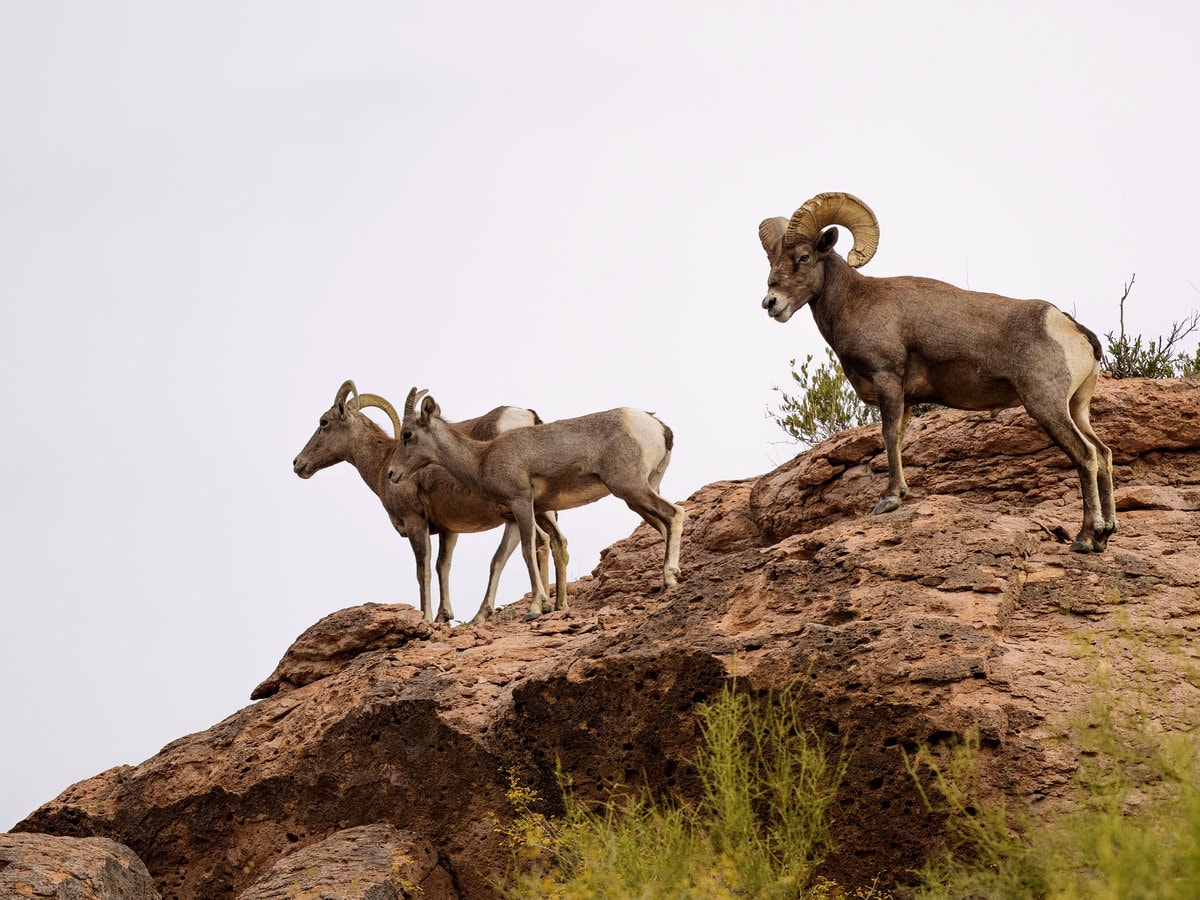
{"x":1104,"y":473}
{"x":1063,"y":430}
{"x":508,"y":543}
{"x":558,"y":545}
{"x":894,"y":413}
{"x":667,"y":518}
{"x":522,"y":511}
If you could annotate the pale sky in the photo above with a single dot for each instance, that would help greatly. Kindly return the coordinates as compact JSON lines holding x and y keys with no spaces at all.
{"x":212,"y":214}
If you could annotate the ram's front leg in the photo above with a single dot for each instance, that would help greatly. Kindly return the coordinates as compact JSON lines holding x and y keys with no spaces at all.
{"x":418,"y":538}
{"x":894,"y":413}
{"x":446,"y":542}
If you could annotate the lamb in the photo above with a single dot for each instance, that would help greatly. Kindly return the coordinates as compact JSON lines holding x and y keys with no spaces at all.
{"x":559,"y":465}
{"x":434,"y":503}
{"x":906,"y":340}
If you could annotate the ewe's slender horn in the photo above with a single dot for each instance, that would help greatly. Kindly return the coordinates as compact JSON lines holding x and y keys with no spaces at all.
{"x":345,"y":391}
{"x":410,"y":404}
{"x":375,"y":400}
{"x":836,"y":208}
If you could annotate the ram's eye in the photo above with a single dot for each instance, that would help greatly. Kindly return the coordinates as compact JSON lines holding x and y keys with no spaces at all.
{"x":324,"y":423}
{"x":406,"y":436}
{"x":799,"y":261}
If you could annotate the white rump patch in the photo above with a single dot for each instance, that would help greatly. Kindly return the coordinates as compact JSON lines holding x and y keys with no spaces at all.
{"x":648,"y":432}
{"x":1081,"y":361}
{"x":513,"y":417}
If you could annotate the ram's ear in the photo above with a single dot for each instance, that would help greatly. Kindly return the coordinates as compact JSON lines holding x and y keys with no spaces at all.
{"x":771,"y":232}
{"x":827,"y":239}
{"x":429,"y":408}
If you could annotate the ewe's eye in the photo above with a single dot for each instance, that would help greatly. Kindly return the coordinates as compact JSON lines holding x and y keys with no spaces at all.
{"x":324,"y":423}
{"x":406,"y":436}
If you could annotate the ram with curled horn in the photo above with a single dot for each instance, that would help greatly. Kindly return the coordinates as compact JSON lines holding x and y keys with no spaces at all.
{"x":905,"y":340}
{"x":433,"y":503}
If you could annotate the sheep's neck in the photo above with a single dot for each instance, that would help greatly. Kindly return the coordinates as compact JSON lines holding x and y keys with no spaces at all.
{"x":458,"y":454}
{"x":370,"y":453}
{"x":827,"y":306}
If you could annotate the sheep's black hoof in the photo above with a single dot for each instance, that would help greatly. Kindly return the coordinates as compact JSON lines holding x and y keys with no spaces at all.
{"x":531,"y":615}
{"x":886,"y":505}
{"x":1079,"y":545}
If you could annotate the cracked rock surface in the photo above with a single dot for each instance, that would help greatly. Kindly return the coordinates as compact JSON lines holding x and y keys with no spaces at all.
{"x":963,"y":610}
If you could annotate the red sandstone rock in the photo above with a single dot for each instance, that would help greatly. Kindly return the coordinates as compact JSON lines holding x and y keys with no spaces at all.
{"x":41,"y":865}
{"x":963,"y":609}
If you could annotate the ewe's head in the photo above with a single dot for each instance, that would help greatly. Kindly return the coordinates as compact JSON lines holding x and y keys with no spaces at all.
{"x":415,"y":449}
{"x":798,"y":247}
{"x":332,"y":442}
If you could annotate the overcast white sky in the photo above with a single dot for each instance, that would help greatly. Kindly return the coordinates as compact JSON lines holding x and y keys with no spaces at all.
{"x":212,"y":214}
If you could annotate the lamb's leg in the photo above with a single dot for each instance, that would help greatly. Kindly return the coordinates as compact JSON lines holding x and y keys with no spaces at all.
{"x":446,"y":542}
{"x":508,"y":543}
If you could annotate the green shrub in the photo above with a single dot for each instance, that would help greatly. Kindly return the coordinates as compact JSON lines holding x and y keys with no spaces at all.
{"x":760,"y":828}
{"x":825,"y":405}
{"x":1134,"y":831}
{"x":1129,"y":357}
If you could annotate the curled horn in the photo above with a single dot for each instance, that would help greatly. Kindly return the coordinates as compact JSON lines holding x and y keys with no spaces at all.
{"x":345,"y":391}
{"x":410,"y":403}
{"x":375,"y":400}
{"x":836,"y":208}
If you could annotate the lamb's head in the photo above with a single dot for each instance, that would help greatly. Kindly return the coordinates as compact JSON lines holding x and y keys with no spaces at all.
{"x":332,"y":442}
{"x":415,"y":449}
{"x":798,"y":247}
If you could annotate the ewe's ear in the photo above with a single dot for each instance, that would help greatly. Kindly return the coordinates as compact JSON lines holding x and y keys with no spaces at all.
{"x":827,"y":239}
{"x":770,"y":232}
{"x":429,"y":408}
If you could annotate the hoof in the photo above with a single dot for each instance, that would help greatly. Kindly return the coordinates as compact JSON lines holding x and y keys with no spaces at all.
{"x":886,"y":505}
{"x":1081,"y":546}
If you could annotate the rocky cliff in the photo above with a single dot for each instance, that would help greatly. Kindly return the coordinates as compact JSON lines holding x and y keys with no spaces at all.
{"x":964,"y":609}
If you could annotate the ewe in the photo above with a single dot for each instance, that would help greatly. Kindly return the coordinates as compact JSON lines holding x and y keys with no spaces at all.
{"x":435,"y":503}
{"x":558,"y":465}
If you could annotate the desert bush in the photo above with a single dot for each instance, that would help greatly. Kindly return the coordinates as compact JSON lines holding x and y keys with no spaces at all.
{"x":825,"y":405}
{"x":1161,"y":357}
{"x":759,"y":829}
{"x":1134,"y":830}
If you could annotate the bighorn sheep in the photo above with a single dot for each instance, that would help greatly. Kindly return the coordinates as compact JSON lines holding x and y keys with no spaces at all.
{"x":906,"y":340}
{"x":559,"y":465}
{"x":435,"y":503}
